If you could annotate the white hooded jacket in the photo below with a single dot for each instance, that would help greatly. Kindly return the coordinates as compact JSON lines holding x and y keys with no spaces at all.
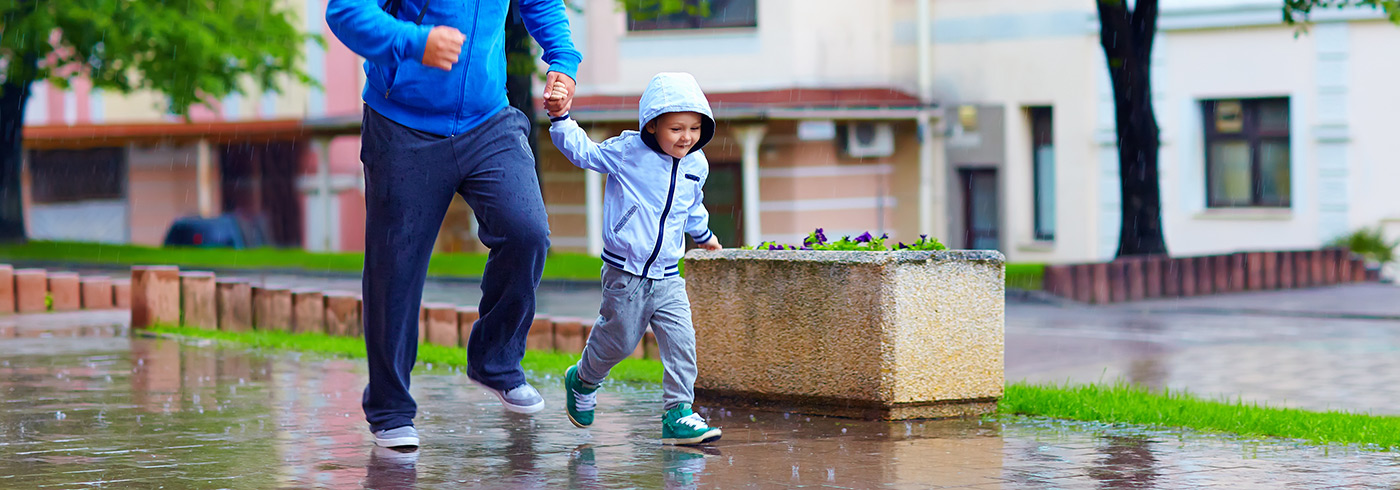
{"x":652,"y":199}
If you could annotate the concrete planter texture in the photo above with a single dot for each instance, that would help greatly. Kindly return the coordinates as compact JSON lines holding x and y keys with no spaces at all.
{"x":865,"y":334}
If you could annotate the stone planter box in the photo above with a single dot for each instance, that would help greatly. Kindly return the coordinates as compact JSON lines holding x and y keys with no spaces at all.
{"x":877,"y":335}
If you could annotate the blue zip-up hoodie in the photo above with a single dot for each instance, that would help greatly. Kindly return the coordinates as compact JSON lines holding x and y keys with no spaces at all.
{"x":652,"y":199}
{"x":399,"y":87}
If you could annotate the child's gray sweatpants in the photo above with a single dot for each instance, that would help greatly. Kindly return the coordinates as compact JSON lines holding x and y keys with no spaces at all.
{"x":630,"y":303}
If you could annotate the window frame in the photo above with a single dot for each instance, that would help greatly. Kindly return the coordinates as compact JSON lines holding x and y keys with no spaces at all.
{"x":1254,"y":136}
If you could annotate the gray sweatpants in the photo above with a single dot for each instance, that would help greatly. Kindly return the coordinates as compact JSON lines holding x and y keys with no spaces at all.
{"x":630,"y":303}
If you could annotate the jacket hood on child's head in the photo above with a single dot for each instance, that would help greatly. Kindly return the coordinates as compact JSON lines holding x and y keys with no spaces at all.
{"x":675,"y":92}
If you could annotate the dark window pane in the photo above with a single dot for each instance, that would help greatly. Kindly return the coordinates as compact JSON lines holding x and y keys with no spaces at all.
{"x":1045,"y":193}
{"x":1230,"y":176}
{"x":1273,"y":115}
{"x":77,"y":175}
{"x":1273,"y":173}
{"x":732,"y":13}
{"x":722,"y":13}
{"x":1043,"y":158}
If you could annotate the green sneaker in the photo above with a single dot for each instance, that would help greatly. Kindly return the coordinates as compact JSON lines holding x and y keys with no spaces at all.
{"x":579,"y":399}
{"x":680,"y":426}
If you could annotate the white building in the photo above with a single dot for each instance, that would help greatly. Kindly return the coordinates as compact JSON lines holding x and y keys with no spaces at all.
{"x":1296,"y":123}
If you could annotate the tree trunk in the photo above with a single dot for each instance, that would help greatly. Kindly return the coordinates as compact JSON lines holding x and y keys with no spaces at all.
{"x":519,"y":86}
{"x":14,"y":95}
{"x":1127,"y":35}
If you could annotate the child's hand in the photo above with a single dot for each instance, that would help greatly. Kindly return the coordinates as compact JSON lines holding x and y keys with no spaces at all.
{"x":554,"y":103}
{"x":711,"y":244}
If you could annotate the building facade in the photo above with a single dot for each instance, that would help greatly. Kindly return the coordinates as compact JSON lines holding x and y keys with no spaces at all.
{"x":989,"y":125}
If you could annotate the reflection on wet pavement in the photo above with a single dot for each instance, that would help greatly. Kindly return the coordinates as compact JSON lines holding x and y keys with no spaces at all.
{"x":1302,"y":362}
{"x":105,"y":410}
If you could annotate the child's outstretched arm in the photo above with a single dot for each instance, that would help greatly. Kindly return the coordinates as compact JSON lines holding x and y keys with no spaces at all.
{"x":573,"y":142}
{"x":697,"y":222}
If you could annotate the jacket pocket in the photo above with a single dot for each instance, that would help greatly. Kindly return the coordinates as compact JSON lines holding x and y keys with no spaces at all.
{"x":625,"y":216}
{"x":384,"y":75}
{"x":419,"y":86}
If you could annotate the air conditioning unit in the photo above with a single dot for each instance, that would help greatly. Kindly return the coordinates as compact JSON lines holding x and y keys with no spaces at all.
{"x":869,"y":139}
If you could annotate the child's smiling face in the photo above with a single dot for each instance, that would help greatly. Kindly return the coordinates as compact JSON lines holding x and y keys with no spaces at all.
{"x":676,"y":132}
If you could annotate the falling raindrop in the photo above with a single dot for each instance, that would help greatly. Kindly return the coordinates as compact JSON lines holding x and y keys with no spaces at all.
{"x":843,"y":430}
{"x":59,"y":415}
{"x":831,"y":474}
{"x":794,"y":471}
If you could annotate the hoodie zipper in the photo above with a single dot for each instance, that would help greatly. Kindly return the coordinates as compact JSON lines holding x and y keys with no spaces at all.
{"x":466,"y":66}
{"x":661,"y":230}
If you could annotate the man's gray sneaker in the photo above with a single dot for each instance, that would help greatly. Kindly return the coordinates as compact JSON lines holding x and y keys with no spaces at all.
{"x":520,"y":399}
{"x":397,"y":437}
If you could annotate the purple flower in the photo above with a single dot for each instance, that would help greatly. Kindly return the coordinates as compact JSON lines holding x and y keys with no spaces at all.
{"x":923,"y":238}
{"x":775,"y":247}
{"x":902,"y":246}
{"x":864,"y":237}
{"x":884,"y":236}
{"x":821,"y":236}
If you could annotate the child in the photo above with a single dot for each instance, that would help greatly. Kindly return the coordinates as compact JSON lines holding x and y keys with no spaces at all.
{"x":655,"y":177}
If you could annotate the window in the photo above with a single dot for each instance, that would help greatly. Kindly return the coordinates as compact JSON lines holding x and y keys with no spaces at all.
{"x":1043,"y":171}
{"x":60,"y":176}
{"x":722,"y":13}
{"x":1247,"y":159}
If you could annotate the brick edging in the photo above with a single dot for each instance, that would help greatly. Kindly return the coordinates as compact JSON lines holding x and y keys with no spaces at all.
{"x":165,"y":295}
{"x":1156,"y":276}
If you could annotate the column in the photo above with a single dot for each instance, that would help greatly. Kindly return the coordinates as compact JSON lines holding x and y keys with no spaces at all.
{"x":204,"y":178}
{"x":751,"y":137}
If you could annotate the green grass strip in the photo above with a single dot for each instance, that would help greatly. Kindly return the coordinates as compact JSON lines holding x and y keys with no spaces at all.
{"x":537,"y":363}
{"x":557,"y":265}
{"x":1131,"y":404}
{"x":1028,"y":277}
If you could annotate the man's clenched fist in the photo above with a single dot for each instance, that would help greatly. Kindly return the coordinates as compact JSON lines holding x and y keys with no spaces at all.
{"x":444,"y":44}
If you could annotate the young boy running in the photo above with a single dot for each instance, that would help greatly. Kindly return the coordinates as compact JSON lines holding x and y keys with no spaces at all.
{"x":653,"y":198}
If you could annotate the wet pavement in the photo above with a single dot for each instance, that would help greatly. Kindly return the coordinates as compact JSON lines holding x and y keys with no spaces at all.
{"x":1282,"y":359}
{"x":86,"y":406}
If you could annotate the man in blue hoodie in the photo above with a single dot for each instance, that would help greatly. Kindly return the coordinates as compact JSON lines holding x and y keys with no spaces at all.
{"x":437,"y":122}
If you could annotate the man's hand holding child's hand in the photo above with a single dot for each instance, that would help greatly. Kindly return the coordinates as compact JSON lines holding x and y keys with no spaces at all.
{"x":556,"y":100}
{"x":711,"y":244}
{"x":559,"y":96}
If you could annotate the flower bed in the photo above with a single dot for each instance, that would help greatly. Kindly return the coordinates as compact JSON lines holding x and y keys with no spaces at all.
{"x":865,"y":242}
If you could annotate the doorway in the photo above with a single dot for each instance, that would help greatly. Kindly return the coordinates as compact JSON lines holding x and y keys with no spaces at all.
{"x":723,"y":198}
{"x":980,"y":213}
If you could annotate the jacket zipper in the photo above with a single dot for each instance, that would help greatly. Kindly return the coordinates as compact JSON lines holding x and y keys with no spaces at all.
{"x":661,"y":231}
{"x":466,"y":66}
